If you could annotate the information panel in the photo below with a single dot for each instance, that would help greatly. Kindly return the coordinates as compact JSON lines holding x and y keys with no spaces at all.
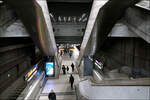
{"x":49,"y":68}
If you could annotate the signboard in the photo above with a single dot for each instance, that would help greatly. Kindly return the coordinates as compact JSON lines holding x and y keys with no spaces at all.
{"x":31,"y":73}
{"x":49,"y":68}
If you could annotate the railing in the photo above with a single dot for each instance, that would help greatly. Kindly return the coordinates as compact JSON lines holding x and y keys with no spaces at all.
{"x":32,"y":89}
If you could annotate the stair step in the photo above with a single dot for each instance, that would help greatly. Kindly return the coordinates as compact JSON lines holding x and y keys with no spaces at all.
{"x":59,"y":93}
{"x":60,"y":97}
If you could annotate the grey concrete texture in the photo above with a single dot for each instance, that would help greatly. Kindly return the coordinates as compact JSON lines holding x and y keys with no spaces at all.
{"x":78,"y":93}
{"x":16,"y":29}
{"x":132,"y":52}
{"x":106,"y":19}
{"x":88,"y":66}
{"x":138,"y":20}
{"x":11,"y":58}
{"x":95,"y":92}
{"x":15,"y":59}
{"x":68,"y":29}
{"x":6,"y":17}
{"x":14,"y":89}
{"x":35,"y":18}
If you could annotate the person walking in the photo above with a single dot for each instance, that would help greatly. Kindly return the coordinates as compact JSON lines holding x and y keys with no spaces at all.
{"x":72,"y":65}
{"x":71,"y":80}
{"x":70,"y":53}
{"x":52,"y":95}
{"x":67,"y":69}
{"x":64,"y":69}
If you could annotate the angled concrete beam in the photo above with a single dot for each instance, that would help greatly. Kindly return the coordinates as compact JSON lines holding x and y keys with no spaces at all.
{"x":97,"y":4}
{"x":45,"y":27}
{"x":36,"y":19}
{"x":138,"y":20}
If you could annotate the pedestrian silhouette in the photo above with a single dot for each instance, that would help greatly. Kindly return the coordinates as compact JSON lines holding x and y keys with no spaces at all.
{"x":71,"y":80}
{"x":67,"y":68}
{"x":52,"y":95}
{"x":64,"y":69}
{"x":72,"y":65}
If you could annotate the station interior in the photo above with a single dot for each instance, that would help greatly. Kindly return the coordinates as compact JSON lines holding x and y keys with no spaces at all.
{"x":103,"y":44}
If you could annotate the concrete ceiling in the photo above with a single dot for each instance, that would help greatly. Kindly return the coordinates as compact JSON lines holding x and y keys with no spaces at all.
{"x":69,"y":12}
{"x":69,"y":20}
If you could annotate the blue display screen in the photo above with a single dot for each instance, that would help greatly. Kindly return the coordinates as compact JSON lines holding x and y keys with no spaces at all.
{"x":49,"y":68}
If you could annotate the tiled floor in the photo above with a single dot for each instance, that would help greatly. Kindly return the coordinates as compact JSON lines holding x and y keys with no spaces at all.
{"x":61,"y":86}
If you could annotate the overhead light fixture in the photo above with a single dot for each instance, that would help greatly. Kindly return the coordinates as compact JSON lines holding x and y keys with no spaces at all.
{"x":80,"y":19}
{"x":69,"y":18}
{"x":59,"y":18}
{"x":74,"y":19}
{"x":85,"y":19}
{"x":64,"y":19}
{"x":83,"y":15}
{"x":51,"y":15}
{"x":1,"y":1}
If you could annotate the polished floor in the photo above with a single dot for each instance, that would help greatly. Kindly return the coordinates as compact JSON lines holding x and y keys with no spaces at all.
{"x":61,"y":86}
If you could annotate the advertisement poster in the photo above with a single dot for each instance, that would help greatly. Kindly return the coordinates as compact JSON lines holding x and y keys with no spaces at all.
{"x":49,"y":68}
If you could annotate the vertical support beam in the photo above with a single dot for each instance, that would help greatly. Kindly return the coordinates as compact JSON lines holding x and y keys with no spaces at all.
{"x":97,"y":4}
{"x":88,"y":66}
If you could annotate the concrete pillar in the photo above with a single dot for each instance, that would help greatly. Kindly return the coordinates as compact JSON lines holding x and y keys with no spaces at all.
{"x":88,"y":66}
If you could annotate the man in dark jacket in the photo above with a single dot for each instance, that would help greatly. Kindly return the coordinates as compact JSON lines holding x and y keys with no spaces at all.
{"x":72,"y":65}
{"x":64,"y":69}
{"x":67,"y":68}
{"x":52,"y":95}
{"x":71,"y":80}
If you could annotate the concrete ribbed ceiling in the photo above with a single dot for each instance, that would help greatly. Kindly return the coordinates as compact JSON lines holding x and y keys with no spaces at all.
{"x":69,"y":12}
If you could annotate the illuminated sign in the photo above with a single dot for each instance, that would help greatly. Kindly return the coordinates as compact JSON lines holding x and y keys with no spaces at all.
{"x":61,"y":48}
{"x":31,"y":73}
{"x":49,"y":68}
{"x":71,"y":49}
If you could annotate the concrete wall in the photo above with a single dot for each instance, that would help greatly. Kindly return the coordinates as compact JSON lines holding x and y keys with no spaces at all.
{"x":6,"y":17}
{"x":138,"y":21}
{"x":16,"y":56}
{"x":88,"y":66}
{"x":132,"y":52}
{"x":86,"y":91}
{"x":68,"y":30}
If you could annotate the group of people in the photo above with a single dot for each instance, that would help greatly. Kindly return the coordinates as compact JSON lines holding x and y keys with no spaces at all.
{"x":64,"y":68}
{"x":52,"y":95}
{"x":71,"y":78}
{"x":66,"y":51}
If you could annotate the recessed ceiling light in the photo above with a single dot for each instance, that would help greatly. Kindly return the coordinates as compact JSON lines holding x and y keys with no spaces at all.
{"x":69,"y":18}
{"x":65,"y":19}
{"x":51,"y":15}
{"x":1,"y":1}
{"x":59,"y":18}
{"x":83,"y":15}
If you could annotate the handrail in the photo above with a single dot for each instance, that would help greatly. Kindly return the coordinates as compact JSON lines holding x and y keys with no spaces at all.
{"x":27,"y":93}
{"x":123,"y":82}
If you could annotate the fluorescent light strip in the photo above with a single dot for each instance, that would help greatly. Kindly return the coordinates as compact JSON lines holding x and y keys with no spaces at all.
{"x":32,"y":76}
